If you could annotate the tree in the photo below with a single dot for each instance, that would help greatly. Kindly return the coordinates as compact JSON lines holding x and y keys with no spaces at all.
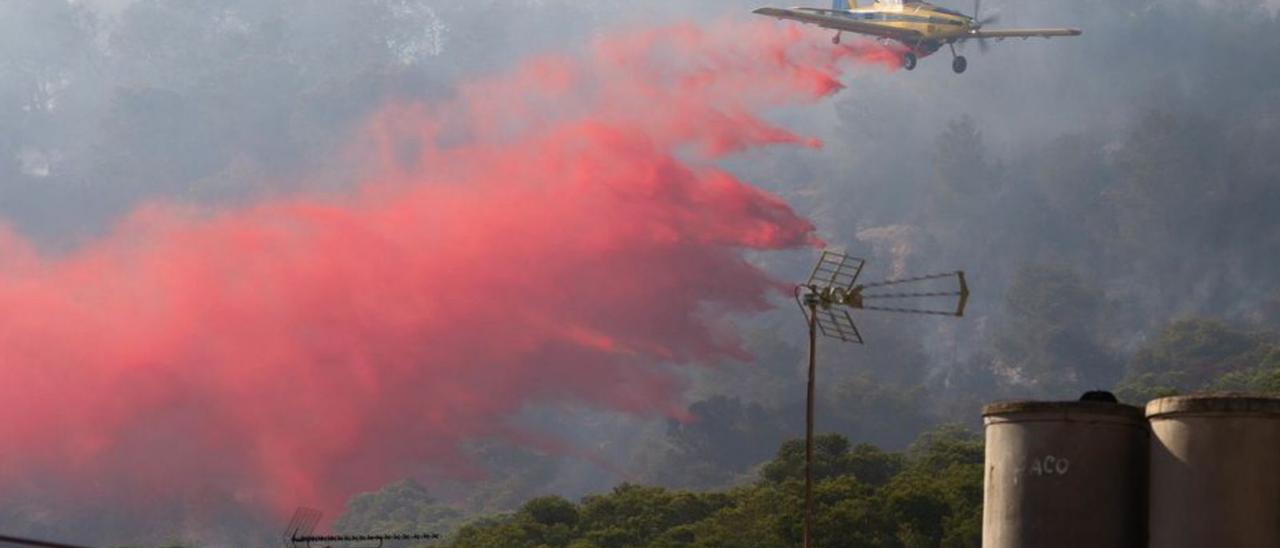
{"x":847,"y":515}
{"x":400,"y":507}
{"x":1198,"y":354}
{"x":633,"y":515}
{"x":884,"y":413}
{"x":931,"y":496}
{"x":832,"y":457}
{"x":725,"y":438}
{"x":829,"y":452}
{"x":937,"y":500}
{"x":542,"y":521}
{"x":1050,"y":340}
{"x":761,"y":516}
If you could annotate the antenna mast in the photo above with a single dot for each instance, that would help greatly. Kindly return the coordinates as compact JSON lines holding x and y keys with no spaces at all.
{"x":825,"y":300}
{"x":300,"y":531}
{"x":6,"y":539}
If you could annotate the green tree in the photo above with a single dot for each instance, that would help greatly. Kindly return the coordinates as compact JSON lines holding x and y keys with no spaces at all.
{"x":543,"y":521}
{"x":760,"y":516}
{"x":882,"y":412}
{"x":634,"y":515}
{"x":1203,"y":354}
{"x":400,"y":507}
{"x":931,"y":496}
{"x":944,"y":446}
{"x":726,"y":437}
{"x":1050,"y":340}
{"x":848,"y":513}
{"x":1191,"y":352}
{"x":937,"y":499}
{"x":828,"y":459}
{"x":1264,"y":379}
{"x":966,"y":178}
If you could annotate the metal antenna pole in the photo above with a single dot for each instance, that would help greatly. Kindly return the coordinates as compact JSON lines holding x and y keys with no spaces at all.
{"x":833,"y":290}
{"x":808,"y":423}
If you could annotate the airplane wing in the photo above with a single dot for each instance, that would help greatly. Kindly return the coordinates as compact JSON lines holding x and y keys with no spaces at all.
{"x":1001,"y":34}
{"x":833,"y":19}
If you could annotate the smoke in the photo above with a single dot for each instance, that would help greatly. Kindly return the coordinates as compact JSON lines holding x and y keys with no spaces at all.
{"x":550,"y":235}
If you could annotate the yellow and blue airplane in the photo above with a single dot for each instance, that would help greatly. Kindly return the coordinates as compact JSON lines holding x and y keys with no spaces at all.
{"x":922,"y":27}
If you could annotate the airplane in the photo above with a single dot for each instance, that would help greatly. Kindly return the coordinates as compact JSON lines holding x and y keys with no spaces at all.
{"x":920,"y":26}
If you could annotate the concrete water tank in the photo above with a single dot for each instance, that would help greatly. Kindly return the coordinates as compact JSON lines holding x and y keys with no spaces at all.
{"x":1215,"y":471}
{"x":1064,"y":474}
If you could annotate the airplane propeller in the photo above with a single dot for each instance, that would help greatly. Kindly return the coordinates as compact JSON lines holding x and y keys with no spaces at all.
{"x":979,"y":23}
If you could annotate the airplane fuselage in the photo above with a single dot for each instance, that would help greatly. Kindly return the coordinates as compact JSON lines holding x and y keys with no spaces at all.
{"x":935,"y":26}
{"x":931,"y":21}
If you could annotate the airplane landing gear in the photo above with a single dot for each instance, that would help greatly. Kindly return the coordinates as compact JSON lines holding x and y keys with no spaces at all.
{"x":909,"y":61}
{"x":836,"y":39}
{"x":958,"y":62}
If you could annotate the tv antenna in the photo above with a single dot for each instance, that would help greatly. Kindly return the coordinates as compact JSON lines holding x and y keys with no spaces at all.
{"x":20,"y":541}
{"x":300,"y":532}
{"x":833,"y":290}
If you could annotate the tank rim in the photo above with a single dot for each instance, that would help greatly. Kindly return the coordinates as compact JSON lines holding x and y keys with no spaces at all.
{"x":1229,"y":403}
{"x":1074,"y":407}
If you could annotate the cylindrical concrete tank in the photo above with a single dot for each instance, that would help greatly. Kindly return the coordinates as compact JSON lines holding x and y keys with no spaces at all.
{"x":1215,"y":471}
{"x":1064,"y":474}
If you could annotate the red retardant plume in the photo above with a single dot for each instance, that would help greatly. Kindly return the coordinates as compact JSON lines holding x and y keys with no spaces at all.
{"x":550,"y":235}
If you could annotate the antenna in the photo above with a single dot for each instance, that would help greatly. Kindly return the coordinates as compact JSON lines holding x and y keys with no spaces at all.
{"x":302,"y":525}
{"x":300,"y":532}
{"x":6,"y":539}
{"x":826,"y":299}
